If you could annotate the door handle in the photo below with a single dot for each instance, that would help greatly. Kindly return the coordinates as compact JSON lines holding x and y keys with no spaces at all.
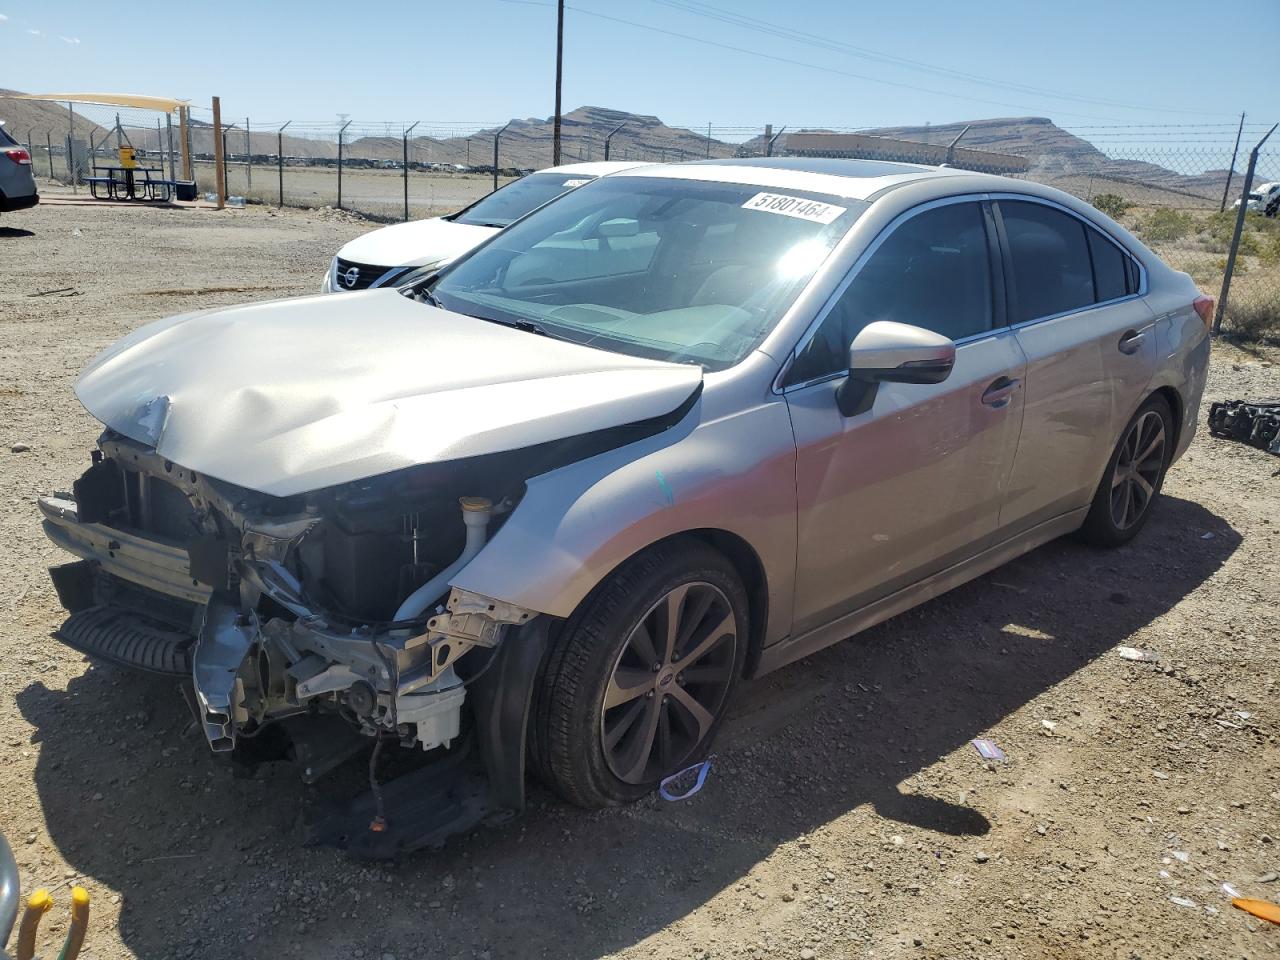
{"x":1132,"y":341}
{"x":1000,"y":392}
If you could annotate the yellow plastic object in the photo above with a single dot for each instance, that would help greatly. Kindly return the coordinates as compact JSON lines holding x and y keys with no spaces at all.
{"x":1259,"y":908}
{"x":38,"y":905}
{"x":79,"y":924}
{"x":127,"y":158}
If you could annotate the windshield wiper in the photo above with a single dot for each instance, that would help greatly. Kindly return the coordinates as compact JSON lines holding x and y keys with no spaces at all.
{"x":528,"y":326}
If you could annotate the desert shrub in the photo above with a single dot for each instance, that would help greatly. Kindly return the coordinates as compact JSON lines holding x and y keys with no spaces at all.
{"x":1270,"y":252}
{"x":1254,"y":318}
{"x":1165,"y":226}
{"x":1113,"y":205}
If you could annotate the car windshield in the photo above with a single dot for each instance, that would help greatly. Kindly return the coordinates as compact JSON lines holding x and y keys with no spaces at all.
{"x":684,"y":270}
{"x":5,"y":139}
{"x":513,"y":201}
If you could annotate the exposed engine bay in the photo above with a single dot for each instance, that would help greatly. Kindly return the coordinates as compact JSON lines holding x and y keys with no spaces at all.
{"x":336,"y":601}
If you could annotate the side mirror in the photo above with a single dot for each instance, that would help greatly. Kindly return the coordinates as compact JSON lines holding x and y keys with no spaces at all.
{"x":888,"y":352}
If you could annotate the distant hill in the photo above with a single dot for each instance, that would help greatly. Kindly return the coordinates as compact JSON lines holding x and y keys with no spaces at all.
{"x":1056,"y":156}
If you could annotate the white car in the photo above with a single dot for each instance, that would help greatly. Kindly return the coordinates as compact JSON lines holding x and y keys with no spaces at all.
{"x":1263,"y":198}
{"x":394,"y":255}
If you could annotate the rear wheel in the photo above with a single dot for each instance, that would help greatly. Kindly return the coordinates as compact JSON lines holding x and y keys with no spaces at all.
{"x":638,"y":682}
{"x":1133,"y":478}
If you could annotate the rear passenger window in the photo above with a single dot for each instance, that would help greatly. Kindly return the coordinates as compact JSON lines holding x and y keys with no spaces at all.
{"x":932,"y":271}
{"x":1109,"y":273}
{"x":1052,"y":272}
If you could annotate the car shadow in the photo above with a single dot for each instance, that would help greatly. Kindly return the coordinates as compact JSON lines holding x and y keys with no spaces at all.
{"x":14,"y":233}
{"x":204,"y":860}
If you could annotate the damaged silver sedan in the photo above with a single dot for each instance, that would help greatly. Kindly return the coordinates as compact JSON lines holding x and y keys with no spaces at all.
{"x":674,"y":429}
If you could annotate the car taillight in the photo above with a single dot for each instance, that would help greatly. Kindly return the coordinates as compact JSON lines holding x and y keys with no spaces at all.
{"x":1204,"y":307}
{"x":18,"y":155}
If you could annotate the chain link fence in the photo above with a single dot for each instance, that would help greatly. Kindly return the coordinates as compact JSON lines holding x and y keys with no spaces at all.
{"x":1177,"y":188}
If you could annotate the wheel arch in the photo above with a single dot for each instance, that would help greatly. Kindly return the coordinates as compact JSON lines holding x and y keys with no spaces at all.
{"x":750,"y":569}
{"x":1176,"y":407}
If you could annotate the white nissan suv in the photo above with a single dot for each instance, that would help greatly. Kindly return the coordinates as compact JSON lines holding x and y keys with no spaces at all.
{"x":400,"y":253}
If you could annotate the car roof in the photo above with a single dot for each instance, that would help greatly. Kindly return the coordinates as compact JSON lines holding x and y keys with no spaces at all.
{"x":598,"y":168}
{"x":855,"y":179}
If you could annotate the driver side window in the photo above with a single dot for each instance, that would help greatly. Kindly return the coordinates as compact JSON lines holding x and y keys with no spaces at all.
{"x":932,"y":271}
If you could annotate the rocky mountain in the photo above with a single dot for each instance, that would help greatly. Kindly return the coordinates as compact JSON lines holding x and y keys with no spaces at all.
{"x":1056,"y":156}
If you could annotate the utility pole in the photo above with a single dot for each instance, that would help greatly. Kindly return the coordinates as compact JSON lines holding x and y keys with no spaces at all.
{"x":555,"y":130}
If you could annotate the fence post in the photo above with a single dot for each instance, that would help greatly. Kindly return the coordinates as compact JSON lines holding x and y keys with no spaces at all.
{"x":219,"y":173}
{"x":168,"y":127}
{"x":768,"y":152}
{"x":48,"y":146}
{"x":184,"y":134}
{"x":226,"y":160}
{"x":708,"y":141}
{"x":1231,"y":167}
{"x":768,"y":137}
{"x":1235,"y":236}
{"x":280,"y":159}
{"x":951,"y":147}
{"x":248,"y":158}
{"x":609,"y":138}
{"x":496,"y":137}
{"x":71,"y":134}
{"x":405,"y":145}
{"x":341,"y":132}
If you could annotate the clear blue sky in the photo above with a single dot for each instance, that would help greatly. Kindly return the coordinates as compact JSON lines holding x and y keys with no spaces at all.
{"x":484,"y":60}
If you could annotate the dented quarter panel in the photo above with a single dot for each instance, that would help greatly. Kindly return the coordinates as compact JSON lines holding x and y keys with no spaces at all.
{"x":324,"y":390}
{"x":729,"y":465}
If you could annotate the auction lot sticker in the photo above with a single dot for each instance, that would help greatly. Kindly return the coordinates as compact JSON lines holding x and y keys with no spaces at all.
{"x":812,"y":210}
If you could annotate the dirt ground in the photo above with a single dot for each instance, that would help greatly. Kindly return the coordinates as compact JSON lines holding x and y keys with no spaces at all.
{"x":846,"y":815}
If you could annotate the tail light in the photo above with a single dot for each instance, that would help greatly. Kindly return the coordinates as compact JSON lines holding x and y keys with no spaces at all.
{"x":1204,"y":305}
{"x":18,"y":155}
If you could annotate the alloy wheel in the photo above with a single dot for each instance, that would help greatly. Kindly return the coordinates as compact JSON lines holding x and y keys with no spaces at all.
{"x":669,"y":682}
{"x":1137,"y":470}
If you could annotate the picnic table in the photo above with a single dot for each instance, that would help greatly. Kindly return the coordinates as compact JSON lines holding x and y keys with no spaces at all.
{"x":152,"y":188}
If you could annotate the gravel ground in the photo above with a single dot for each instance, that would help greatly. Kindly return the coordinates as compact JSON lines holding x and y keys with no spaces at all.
{"x":847,"y":815}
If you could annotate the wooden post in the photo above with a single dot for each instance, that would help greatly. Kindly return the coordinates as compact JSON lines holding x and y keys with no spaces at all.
{"x":184,"y":135}
{"x":217,"y":153}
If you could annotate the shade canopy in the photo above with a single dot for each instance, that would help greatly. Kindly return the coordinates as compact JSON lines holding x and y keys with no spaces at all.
{"x":163,"y":104}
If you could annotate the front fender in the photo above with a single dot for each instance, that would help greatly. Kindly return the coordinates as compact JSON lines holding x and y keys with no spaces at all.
{"x":578,"y":523}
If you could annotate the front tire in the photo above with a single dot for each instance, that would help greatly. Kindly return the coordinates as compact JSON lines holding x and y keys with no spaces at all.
{"x":1133,"y":478}
{"x":638,"y":682}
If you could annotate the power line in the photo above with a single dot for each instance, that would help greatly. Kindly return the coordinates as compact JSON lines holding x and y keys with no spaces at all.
{"x":802,"y":63}
{"x":712,"y":12}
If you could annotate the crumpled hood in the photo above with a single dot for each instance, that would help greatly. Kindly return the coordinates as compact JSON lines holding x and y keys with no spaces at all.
{"x":294,"y":395}
{"x":415,"y":243}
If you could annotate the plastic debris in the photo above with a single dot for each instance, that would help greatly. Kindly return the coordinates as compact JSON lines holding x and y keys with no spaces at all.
{"x":1180,"y":855}
{"x":1206,"y":536}
{"x":1259,"y":908}
{"x":988,"y":749}
{"x":681,"y":776}
{"x":1133,"y":653}
{"x":235,"y":201}
{"x":1182,"y":901}
{"x":1049,"y":725}
{"x":1230,"y":891}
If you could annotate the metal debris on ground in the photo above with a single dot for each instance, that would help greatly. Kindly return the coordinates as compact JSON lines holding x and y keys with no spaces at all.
{"x":1133,"y":653}
{"x":1256,"y":423}
{"x":988,"y":749}
{"x":695,"y":776}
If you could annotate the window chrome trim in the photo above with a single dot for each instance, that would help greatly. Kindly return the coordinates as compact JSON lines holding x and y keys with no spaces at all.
{"x":1143,"y":283}
{"x":826,"y":308}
